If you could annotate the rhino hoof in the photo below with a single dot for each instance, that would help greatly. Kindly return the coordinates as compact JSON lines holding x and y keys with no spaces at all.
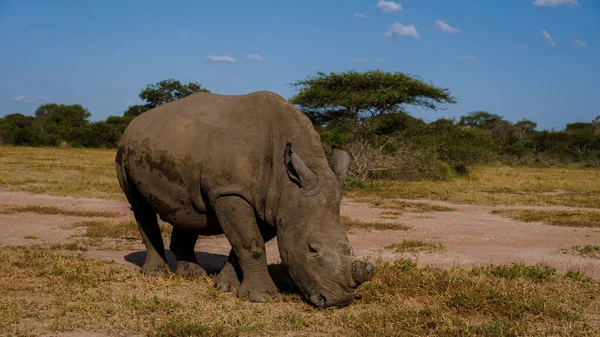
{"x":155,"y":270}
{"x":257,"y":293}
{"x":189,"y":269}
{"x":227,"y":280}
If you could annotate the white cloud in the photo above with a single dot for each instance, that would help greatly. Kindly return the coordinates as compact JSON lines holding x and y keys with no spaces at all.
{"x":548,"y":38}
{"x":446,"y":28}
{"x":469,"y":57}
{"x":224,"y":58}
{"x":399,"y":30}
{"x":554,"y":3}
{"x":388,"y":6}
{"x":380,"y":59}
{"x":29,"y":99}
{"x":361,"y":15}
{"x":255,"y":57}
{"x":579,"y":44}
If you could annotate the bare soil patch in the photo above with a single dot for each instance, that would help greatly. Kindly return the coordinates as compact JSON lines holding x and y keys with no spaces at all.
{"x":471,"y":235}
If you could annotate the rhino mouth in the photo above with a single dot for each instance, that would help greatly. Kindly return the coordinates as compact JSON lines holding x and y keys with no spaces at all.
{"x":318,"y":300}
{"x":322,"y":300}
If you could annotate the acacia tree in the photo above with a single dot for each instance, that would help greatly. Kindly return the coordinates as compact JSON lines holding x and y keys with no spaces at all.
{"x":352,"y":99}
{"x":364,"y":105}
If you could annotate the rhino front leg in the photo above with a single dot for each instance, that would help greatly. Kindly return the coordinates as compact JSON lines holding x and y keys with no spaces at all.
{"x":239,"y":225}
{"x":229,"y":278}
{"x":182,"y":245}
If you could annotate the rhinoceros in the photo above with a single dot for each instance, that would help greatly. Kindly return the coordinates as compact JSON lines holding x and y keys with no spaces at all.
{"x":250,"y":167}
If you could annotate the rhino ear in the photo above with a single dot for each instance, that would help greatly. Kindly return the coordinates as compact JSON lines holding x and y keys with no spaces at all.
{"x":339,"y":163}
{"x":297,"y":170}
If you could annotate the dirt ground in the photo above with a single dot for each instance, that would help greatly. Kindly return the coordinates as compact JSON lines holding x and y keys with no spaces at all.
{"x":471,"y":235}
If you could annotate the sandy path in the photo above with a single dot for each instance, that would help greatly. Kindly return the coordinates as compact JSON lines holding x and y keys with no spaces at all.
{"x":471,"y":235}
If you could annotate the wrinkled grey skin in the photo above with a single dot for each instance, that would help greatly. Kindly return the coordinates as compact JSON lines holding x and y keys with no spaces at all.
{"x":251,"y":167}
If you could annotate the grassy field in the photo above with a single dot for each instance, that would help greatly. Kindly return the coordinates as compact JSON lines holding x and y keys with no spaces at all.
{"x":65,"y":172}
{"x":52,"y":288}
{"x":45,"y":291}
{"x":91,"y":173}
{"x":497,"y":185}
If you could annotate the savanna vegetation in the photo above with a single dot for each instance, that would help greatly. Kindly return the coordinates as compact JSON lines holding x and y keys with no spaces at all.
{"x":53,"y":288}
{"x":91,"y":173}
{"x":50,"y":288}
{"x":365,"y":112}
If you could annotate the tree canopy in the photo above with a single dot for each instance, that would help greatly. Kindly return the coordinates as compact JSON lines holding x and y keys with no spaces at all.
{"x":166,"y":91}
{"x":355,"y":96}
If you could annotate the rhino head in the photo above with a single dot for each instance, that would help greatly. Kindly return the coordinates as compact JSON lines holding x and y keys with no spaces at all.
{"x":311,"y":238}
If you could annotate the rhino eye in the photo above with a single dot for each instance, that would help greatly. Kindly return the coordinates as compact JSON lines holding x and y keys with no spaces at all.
{"x":313,"y":250}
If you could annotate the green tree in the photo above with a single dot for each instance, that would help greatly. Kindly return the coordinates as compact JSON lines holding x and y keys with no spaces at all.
{"x":350,"y":99}
{"x":367,"y":112}
{"x":16,"y":127}
{"x":480,"y":119}
{"x":135,"y":110}
{"x":167,"y":91}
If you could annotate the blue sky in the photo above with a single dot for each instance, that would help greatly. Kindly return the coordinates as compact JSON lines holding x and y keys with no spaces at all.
{"x":492,"y":55}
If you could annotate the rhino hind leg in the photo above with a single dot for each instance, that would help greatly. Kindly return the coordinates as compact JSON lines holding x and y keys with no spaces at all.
{"x":238,"y":222}
{"x":228,"y":279}
{"x":182,"y":245}
{"x":150,"y":231}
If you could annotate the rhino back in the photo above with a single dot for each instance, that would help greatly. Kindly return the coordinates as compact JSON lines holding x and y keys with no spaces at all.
{"x":184,"y":153}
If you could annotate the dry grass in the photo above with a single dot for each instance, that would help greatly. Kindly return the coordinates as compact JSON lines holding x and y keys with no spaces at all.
{"x":68,"y":246}
{"x":11,"y":209}
{"x":350,"y":223}
{"x":554,"y":218}
{"x":48,"y":293}
{"x":412,"y":246}
{"x":91,"y":173}
{"x":64,"y":172}
{"x":110,"y":235}
{"x":30,"y":237}
{"x":499,"y":185}
{"x":401,"y":207}
{"x":592,"y":251}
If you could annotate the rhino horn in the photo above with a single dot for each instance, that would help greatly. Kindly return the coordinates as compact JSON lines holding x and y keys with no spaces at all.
{"x":297,"y":169}
{"x":362,"y":271}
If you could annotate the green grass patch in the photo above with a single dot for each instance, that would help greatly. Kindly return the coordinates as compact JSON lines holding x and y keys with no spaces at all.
{"x":414,"y":246}
{"x":350,"y":223}
{"x":592,"y":251}
{"x":536,"y":273}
